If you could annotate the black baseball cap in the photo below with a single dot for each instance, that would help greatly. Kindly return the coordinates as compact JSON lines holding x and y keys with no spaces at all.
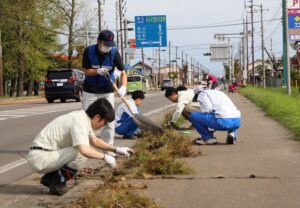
{"x":108,"y":37}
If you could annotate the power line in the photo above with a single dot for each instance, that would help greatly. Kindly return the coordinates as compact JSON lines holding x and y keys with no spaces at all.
{"x":217,"y":25}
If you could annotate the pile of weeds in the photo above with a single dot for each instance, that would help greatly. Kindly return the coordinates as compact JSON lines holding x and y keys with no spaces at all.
{"x":156,"y":155}
{"x":113,"y":196}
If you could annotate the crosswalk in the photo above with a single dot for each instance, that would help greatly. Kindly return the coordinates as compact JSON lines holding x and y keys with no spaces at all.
{"x":24,"y":112}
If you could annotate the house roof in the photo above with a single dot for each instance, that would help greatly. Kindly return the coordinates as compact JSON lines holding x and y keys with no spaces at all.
{"x":141,"y":63}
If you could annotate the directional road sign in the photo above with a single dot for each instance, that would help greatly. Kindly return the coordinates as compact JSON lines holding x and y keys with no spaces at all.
{"x":151,"y":31}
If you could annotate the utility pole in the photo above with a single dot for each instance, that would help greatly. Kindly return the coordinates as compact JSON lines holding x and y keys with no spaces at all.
{"x":252,"y":37}
{"x":186,"y":74}
{"x":262,"y":47}
{"x":143,"y":63}
{"x":192,"y":69}
{"x":117,"y":25}
{"x":120,"y":22}
{"x":125,"y":40}
{"x":1,"y":68}
{"x":271,"y":50}
{"x":182,"y":59}
{"x":244,"y":39}
{"x":286,"y":58}
{"x":247,"y":51}
{"x":182,"y":74}
{"x":100,"y":15}
{"x":159,"y":65}
{"x":169,"y":56}
{"x":176,"y":59}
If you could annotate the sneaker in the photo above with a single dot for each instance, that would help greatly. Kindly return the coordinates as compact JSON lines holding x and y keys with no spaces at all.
{"x":199,"y":141}
{"x":211,"y":141}
{"x":230,"y":138}
{"x":58,"y":189}
{"x":44,"y":182}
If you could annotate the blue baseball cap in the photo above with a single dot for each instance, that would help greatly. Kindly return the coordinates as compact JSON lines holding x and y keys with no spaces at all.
{"x":108,"y":37}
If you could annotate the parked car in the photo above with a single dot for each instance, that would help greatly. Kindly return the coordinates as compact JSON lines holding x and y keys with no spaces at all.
{"x":135,"y":82}
{"x":166,"y":83}
{"x":63,"y":84}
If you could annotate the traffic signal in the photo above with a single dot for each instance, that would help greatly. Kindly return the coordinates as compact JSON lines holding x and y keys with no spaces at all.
{"x":207,"y":54}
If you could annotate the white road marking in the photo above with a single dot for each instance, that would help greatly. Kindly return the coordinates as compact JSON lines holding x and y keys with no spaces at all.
{"x":12,"y":165}
{"x":23,"y":161}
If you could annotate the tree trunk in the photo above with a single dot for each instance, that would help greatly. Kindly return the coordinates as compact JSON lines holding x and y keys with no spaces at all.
{"x":71,"y":35}
{"x":36,"y":88}
{"x":20,"y":80}
{"x":13,"y":87}
{"x":30,"y":87}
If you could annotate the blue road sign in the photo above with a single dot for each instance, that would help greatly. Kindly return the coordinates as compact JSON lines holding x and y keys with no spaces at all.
{"x":294,"y":24}
{"x":294,"y":21}
{"x":151,"y":31}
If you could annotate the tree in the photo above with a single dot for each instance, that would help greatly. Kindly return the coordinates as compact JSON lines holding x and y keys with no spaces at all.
{"x":76,"y":21}
{"x":28,"y":36}
{"x":185,"y":68}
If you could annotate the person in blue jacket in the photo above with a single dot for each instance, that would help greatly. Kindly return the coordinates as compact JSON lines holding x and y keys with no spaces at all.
{"x":124,"y":122}
{"x":98,"y":60}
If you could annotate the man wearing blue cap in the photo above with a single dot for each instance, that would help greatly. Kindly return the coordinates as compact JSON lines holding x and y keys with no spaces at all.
{"x":98,"y":60}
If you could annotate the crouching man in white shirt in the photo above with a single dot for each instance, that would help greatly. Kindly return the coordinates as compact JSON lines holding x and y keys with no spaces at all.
{"x":124,"y":122}
{"x":217,"y":112}
{"x":64,"y":145}
{"x":185,"y":104}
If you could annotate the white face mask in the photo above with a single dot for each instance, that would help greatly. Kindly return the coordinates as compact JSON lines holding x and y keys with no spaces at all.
{"x":104,"y":49}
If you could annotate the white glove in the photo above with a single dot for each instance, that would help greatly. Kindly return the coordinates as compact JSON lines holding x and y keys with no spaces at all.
{"x":122,"y":91}
{"x":110,"y":160}
{"x":126,"y":151}
{"x":102,"y":71}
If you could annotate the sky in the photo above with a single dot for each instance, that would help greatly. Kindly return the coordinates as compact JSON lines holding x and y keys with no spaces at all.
{"x":202,"y":13}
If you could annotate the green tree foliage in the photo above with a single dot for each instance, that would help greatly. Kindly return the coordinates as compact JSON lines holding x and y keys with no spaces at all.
{"x":28,"y":37}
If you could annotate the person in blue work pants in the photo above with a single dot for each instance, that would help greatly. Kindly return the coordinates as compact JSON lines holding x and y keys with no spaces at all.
{"x":124,"y":122}
{"x":217,"y":112}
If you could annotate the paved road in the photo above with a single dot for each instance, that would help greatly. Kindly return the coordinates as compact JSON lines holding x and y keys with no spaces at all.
{"x":20,"y":123}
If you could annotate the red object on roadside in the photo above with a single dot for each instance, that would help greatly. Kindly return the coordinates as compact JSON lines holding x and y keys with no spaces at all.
{"x":233,"y":87}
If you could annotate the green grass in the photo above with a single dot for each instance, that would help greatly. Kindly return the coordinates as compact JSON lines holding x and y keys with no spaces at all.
{"x":277,"y":104}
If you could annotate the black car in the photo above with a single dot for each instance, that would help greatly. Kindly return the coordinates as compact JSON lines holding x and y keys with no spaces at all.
{"x":63,"y":84}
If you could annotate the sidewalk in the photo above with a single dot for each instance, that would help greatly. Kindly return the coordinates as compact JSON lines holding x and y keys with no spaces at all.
{"x":261,"y":170}
{"x":22,"y":100}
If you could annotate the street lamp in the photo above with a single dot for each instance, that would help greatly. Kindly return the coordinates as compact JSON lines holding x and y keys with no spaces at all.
{"x":119,"y":30}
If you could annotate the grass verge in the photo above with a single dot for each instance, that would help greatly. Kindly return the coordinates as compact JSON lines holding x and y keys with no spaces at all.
{"x":277,"y":104}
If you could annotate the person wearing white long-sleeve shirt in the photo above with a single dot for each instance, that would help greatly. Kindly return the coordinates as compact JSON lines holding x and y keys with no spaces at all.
{"x":184,"y":99}
{"x":217,"y":112}
{"x":124,"y":122}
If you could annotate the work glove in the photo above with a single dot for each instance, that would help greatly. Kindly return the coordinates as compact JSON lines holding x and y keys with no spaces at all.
{"x":170,"y":125}
{"x":110,"y":160}
{"x":122,"y":91}
{"x":102,"y":71}
{"x":126,"y":151}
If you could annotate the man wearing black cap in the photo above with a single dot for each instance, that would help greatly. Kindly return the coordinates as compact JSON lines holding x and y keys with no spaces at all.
{"x":98,"y":60}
